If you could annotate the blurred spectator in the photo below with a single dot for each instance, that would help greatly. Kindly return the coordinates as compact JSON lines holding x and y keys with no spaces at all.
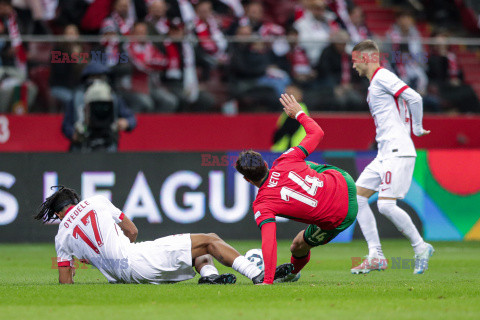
{"x":94,"y":17}
{"x":65,"y":77}
{"x":73,"y":11}
{"x":156,"y":18}
{"x":180,"y":76}
{"x":121,"y":18}
{"x":212,"y":43}
{"x":97,"y":114}
{"x":469,"y":11}
{"x":301,"y":71}
{"x":406,"y":53}
{"x":248,"y":64}
{"x":289,"y":132}
{"x":33,"y":14}
{"x":358,"y":30}
{"x":274,"y":77}
{"x":444,"y":12}
{"x":342,"y":10}
{"x":446,"y":80}
{"x":314,"y":28}
{"x":147,"y":93}
{"x":235,"y":8}
{"x":255,"y":18}
{"x":340,"y":84}
{"x":111,"y":53}
{"x":16,"y":92}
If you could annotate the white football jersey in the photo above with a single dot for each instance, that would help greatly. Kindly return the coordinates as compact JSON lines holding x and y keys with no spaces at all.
{"x":89,"y":231}
{"x":391,"y":115}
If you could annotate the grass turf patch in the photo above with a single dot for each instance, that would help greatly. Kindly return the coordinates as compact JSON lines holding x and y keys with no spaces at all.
{"x":449,"y":289}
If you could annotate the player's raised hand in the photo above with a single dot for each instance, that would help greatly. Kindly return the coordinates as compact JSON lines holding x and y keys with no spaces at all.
{"x":290,"y":104}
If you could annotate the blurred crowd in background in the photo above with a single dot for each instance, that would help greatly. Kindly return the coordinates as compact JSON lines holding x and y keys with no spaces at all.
{"x":228,"y":55}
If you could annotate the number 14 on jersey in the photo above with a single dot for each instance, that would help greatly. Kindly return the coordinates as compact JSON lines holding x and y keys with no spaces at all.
{"x":309,"y":184}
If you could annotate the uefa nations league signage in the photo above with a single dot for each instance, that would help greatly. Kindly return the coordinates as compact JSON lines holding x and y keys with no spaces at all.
{"x":163,"y":193}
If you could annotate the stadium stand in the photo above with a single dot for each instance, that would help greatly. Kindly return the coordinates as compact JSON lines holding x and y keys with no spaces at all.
{"x":201,"y":64}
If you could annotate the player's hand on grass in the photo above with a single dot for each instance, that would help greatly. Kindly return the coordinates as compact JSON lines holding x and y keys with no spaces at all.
{"x":291,"y":106}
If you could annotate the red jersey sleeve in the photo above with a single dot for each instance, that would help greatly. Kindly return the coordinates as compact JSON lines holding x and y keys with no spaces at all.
{"x":266,"y":222}
{"x":263,"y":216}
{"x":309,"y":143}
{"x":314,"y":133}
{"x":269,"y":251}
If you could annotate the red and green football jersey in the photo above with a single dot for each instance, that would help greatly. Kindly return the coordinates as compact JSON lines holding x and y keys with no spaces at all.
{"x":293,"y":190}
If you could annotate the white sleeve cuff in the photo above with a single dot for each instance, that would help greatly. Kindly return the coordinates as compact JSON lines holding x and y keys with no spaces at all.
{"x":298,"y":113}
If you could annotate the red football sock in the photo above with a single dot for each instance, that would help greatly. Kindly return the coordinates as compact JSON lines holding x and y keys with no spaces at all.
{"x":299,"y":262}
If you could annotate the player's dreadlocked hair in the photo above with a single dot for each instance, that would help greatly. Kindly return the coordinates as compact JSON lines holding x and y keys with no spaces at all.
{"x":56,"y":202}
{"x":251,"y":165}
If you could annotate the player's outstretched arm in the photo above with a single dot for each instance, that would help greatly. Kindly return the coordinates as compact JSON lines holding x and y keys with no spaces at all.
{"x":314,"y":133}
{"x":269,"y":250}
{"x":415,"y":105}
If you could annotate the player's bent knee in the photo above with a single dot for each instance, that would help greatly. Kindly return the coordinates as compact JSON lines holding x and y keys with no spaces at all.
{"x":385,"y":207}
{"x":299,"y":245}
{"x":293,"y":247}
{"x":213,"y":237}
{"x":205,"y":259}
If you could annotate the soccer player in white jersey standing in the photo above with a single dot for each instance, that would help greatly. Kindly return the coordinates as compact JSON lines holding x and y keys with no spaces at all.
{"x":95,"y":230}
{"x":391,"y":104}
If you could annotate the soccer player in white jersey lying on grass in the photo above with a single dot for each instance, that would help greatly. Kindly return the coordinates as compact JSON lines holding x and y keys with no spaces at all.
{"x":96,"y":231}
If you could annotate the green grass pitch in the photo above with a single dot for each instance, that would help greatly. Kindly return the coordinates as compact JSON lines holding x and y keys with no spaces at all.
{"x":450,"y":289}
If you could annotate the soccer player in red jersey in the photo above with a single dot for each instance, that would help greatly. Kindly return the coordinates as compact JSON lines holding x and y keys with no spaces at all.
{"x":322,"y":196}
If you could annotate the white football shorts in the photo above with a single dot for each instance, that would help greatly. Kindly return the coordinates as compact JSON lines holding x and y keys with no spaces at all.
{"x":390,"y":177}
{"x":163,"y":260}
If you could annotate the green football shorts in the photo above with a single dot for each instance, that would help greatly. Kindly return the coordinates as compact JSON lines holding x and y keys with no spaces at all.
{"x":315,"y":236}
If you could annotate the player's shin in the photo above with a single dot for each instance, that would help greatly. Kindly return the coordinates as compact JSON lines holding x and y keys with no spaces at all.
{"x":403,"y":222}
{"x":299,"y":262}
{"x":368,"y":225}
{"x":243,"y":266}
{"x":204,"y":265}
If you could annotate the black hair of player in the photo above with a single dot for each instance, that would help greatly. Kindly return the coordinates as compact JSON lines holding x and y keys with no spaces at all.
{"x":251,"y":165}
{"x":56,"y":202}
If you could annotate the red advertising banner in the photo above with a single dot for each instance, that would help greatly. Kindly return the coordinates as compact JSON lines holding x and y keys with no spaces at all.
{"x":215,"y":132}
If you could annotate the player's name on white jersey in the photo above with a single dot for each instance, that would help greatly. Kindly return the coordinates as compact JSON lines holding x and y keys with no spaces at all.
{"x":74,"y":214}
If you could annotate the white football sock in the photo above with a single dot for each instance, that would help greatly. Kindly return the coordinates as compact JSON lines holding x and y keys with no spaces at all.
{"x":403,"y":222}
{"x":368,"y":225}
{"x":245,"y":267}
{"x":208,"y":270}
